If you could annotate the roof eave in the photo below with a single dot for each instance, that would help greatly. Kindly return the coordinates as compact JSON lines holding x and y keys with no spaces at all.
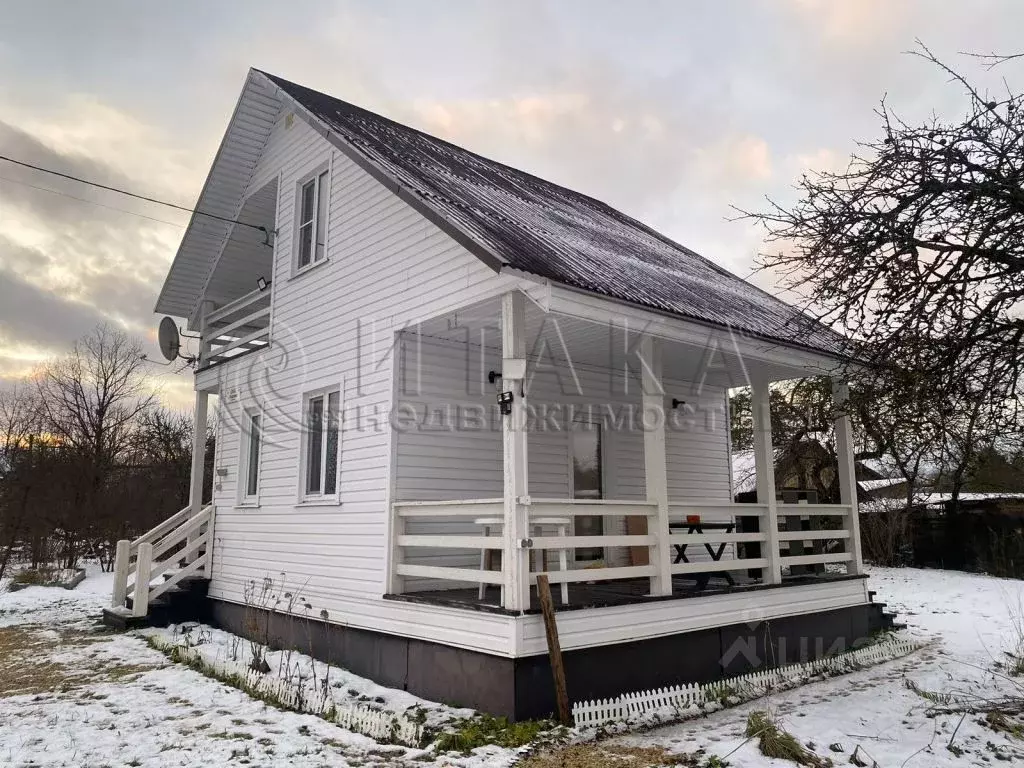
{"x":165,"y":304}
{"x":823,"y":355}
{"x":416,"y":201}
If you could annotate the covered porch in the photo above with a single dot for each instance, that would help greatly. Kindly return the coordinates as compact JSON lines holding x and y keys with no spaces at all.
{"x":557,"y":432}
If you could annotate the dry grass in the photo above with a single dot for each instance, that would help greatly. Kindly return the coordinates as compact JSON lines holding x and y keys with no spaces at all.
{"x":27,"y":666}
{"x":1001,"y":722}
{"x":777,"y":743}
{"x":611,"y":756}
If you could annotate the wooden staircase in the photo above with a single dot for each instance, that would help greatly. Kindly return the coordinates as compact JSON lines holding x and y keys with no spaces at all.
{"x":162,"y":576}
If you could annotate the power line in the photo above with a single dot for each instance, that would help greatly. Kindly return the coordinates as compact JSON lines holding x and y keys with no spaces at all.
{"x":132,"y":194}
{"x":91,"y":202}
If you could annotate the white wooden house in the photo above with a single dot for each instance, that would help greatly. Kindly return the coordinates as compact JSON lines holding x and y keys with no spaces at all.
{"x":381,"y":291}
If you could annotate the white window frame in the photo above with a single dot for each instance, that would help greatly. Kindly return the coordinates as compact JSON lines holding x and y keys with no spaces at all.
{"x":245,"y":499}
{"x":320,"y":497}
{"x":320,"y":177}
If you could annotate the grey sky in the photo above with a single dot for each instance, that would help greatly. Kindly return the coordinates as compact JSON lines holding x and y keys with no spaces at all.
{"x":671,"y":111}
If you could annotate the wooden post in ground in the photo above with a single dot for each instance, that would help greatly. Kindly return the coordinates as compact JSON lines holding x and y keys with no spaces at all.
{"x":547,"y":608}
{"x":123,"y":554}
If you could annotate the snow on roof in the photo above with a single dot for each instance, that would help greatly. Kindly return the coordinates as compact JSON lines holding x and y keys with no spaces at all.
{"x":885,"y":482}
{"x":883,"y":466}
{"x":744,"y":475}
{"x":512,"y":218}
{"x":938,"y":499}
{"x":932,"y":500}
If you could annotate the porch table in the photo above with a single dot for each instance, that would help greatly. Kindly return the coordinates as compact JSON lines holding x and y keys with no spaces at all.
{"x":698,"y":526}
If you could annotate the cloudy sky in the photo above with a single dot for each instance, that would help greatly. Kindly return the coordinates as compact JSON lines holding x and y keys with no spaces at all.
{"x":672,"y":111}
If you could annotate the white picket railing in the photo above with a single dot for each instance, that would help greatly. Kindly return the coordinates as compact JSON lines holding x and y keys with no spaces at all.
{"x":467,"y":523}
{"x":450,"y":525}
{"x":183,"y":541}
{"x":236,"y":328}
{"x":435,"y":541}
{"x":568,"y":509}
{"x":793,"y":542}
{"x":683,"y":701}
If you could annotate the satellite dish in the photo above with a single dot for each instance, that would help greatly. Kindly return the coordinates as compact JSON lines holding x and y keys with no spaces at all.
{"x":168,"y":338}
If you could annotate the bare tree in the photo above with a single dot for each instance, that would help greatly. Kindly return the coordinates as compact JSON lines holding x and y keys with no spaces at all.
{"x":91,"y":403}
{"x":19,"y":429}
{"x":917,"y":248}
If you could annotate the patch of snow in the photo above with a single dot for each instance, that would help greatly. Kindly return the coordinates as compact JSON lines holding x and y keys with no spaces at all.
{"x":120,"y":702}
{"x":305,"y":683}
{"x":968,"y":621}
{"x":162,"y":714}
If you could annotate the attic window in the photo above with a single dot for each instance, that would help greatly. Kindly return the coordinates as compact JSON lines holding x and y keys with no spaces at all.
{"x":313,"y":219}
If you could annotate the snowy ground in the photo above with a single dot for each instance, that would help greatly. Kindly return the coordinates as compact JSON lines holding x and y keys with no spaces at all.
{"x":968,"y":617}
{"x":74,"y":695}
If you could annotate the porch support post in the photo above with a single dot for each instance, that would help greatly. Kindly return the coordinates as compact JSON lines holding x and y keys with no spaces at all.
{"x":655,"y":469}
{"x":515,"y":563}
{"x":764,"y":466}
{"x":206,"y":337}
{"x":195,"y":488}
{"x":847,"y":472}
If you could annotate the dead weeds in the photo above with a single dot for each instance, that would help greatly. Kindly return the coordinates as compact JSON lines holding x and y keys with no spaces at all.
{"x":1011,"y":724}
{"x":616,"y":756}
{"x":775,"y":742}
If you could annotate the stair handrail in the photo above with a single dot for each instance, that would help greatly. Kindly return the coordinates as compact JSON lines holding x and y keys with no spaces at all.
{"x":175,"y":537}
{"x":180,"y":527}
{"x":163,"y":527}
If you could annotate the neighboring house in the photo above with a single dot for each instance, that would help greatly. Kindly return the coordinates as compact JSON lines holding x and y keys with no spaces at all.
{"x":813,"y":468}
{"x":981,"y":532}
{"x":381,"y":293}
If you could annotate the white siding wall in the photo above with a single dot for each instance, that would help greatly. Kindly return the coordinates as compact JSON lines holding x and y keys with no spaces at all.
{"x":332,"y":327}
{"x":439,"y":457}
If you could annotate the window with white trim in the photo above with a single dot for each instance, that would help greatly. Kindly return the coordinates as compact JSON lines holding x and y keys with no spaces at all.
{"x":322,"y":417}
{"x":253,"y":436}
{"x":312,"y":219}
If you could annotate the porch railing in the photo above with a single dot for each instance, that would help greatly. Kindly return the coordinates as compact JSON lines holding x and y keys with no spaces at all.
{"x":179,"y":547}
{"x":236,"y":328}
{"x":729,"y":559}
{"x":440,"y":543}
{"x":820,"y":538}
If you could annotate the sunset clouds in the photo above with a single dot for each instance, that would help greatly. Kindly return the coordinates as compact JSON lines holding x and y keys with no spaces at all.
{"x":671,"y":111}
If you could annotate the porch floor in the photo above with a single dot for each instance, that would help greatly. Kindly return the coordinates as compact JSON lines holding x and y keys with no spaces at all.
{"x":605,"y":594}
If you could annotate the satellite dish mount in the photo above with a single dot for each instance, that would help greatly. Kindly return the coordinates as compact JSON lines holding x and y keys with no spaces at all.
{"x":170,"y":341}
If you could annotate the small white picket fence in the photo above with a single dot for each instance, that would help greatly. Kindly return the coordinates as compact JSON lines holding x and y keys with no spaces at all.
{"x":682,"y":701}
{"x":380,"y":725}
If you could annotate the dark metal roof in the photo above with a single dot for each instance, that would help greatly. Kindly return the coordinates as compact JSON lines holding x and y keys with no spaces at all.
{"x":513,"y":218}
